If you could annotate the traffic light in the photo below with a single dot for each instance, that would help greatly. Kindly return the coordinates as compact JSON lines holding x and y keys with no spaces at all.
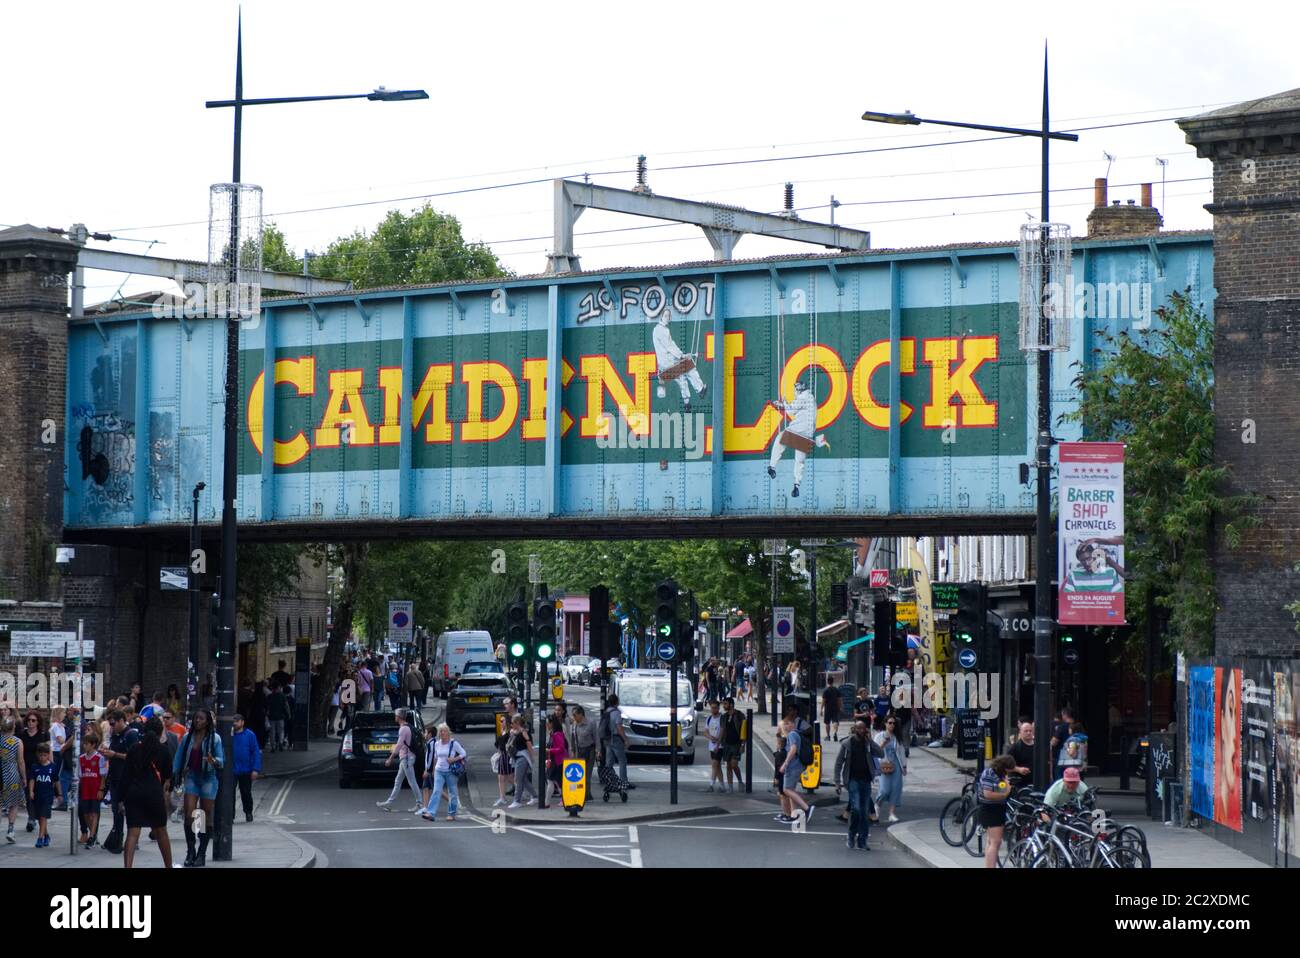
{"x":666,"y":610}
{"x":543,"y":629}
{"x":840,"y":599}
{"x":517,"y":639}
{"x":598,"y":603}
{"x":970,"y":626}
{"x":886,"y":627}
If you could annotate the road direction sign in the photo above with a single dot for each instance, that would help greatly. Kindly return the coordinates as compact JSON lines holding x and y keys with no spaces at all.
{"x":174,"y":578}
{"x":967,"y":658}
{"x":573,"y":784}
{"x":783,"y":629}
{"x":50,"y":645}
{"x":1071,"y":656}
{"x":534,"y":569}
{"x":666,"y":651}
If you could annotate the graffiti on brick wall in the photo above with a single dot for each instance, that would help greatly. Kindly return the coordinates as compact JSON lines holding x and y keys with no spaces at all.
{"x":112,"y":437}
{"x":162,"y":457}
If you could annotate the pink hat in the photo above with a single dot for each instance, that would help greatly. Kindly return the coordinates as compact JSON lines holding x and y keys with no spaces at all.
{"x":1071,"y":775}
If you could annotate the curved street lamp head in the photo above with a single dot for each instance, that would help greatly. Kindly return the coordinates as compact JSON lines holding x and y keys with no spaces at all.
{"x":906,"y":118}
{"x":381,"y":93}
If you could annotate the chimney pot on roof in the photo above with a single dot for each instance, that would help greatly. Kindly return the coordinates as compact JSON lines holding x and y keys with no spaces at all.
{"x":1146,"y":194}
{"x":1132,"y":202}
{"x":1114,"y":202}
{"x":1099,"y":191}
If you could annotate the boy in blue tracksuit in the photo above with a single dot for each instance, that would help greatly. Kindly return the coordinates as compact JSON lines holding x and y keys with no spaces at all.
{"x":248,"y":764}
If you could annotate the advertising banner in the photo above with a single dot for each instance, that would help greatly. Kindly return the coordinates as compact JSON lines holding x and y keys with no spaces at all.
{"x":1091,"y":533}
{"x":1227,"y":748}
{"x":1286,"y":762}
{"x":1257,"y":737}
{"x":1200,"y":738}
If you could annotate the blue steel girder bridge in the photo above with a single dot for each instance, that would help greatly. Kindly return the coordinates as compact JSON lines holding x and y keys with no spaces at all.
{"x":887,"y":388}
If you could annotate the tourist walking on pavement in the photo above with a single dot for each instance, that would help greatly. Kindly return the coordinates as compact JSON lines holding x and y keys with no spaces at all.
{"x":42,"y":789}
{"x":505,"y":767}
{"x":733,"y":741}
{"x":277,"y":714}
{"x":365,"y":686}
{"x":520,"y":749}
{"x":32,"y":735}
{"x":791,"y":770}
{"x":557,"y":750}
{"x":90,"y":794}
{"x":448,"y":765}
{"x":142,"y":792}
{"x":831,"y":709}
{"x":855,"y":767}
{"x":615,"y":738}
{"x":414,"y":687}
{"x":58,"y":739}
{"x":198,"y":763}
{"x":583,"y":739}
{"x":248,"y":763}
{"x":713,"y":728}
{"x":992,"y":792}
{"x":893,"y":766}
{"x":403,"y":751}
{"x":122,"y":737}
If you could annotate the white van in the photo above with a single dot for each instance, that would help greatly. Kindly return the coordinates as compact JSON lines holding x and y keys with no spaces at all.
{"x":452,"y":651}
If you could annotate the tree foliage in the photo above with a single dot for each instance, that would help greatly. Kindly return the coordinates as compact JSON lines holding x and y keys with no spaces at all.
{"x":1155,"y":393}
{"x":267,"y":571}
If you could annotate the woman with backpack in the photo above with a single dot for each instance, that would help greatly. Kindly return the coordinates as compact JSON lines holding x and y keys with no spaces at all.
{"x":448,"y":758}
{"x":892,"y":769}
{"x":519,"y":746}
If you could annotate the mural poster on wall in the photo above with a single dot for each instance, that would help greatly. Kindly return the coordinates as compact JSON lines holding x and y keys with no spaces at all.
{"x":1227,"y":748}
{"x":1286,"y":762}
{"x":1200,"y":738}
{"x":1091,"y":534}
{"x":1257,"y":738}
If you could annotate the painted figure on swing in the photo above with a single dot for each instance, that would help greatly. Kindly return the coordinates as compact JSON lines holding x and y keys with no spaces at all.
{"x":797,"y":433}
{"x":673,"y":364}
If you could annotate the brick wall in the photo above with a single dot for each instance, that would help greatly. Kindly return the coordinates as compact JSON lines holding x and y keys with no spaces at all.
{"x":1257,"y":361}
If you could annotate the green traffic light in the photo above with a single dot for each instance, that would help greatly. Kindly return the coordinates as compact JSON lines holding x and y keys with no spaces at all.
{"x":1067,"y":638}
{"x":544,"y":651}
{"x":516,"y":649}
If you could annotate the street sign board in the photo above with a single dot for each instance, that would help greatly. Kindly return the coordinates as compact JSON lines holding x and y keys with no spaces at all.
{"x":174,"y":578}
{"x":906,"y":612}
{"x":783,"y":629}
{"x":534,"y":569}
{"x":879,"y":578}
{"x":54,"y":645}
{"x":1071,"y":657}
{"x":573,"y":784}
{"x":401,"y":620}
{"x":773,"y":547}
{"x":666,"y":651}
{"x":943,"y":595}
{"x":970,"y":734}
{"x":812,"y":543}
{"x":967,"y":658}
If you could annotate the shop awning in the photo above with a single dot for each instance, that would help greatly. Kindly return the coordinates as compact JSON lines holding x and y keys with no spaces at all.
{"x":842,"y":653}
{"x":742,"y":630}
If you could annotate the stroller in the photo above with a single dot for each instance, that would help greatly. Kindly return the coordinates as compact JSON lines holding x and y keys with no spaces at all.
{"x":610,"y":782}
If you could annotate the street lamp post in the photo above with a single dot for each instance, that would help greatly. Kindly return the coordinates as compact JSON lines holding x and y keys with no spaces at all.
{"x":225,"y":810}
{"x":1046,"y":558}
{"x":191,"y":678}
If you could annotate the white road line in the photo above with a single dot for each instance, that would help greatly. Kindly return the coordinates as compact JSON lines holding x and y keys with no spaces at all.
{"x":724,"y":828}
{"x":277,"y":806}
{"x":391,"y":828}
{"x":635,"y":842}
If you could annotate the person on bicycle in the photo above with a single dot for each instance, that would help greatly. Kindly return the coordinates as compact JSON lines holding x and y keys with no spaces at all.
{"x":1069,"y":789}
{"x":992,"y":793}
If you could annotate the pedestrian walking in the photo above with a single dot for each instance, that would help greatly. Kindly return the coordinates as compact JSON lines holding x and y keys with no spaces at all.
{"x":449,"y":763}
{"x":67,"y":754}
{"x":893,"y":766}
{"x":615,"y":737}
{"x":713,"y":728}
{"x":93,"y":781}
{"x":122,"y":737}
{"x":831,"y":699}
{"x":557,"y":750}
{"x":33,"y":734}
{"x":146,"y":768}
{"x":414,"y":687}
{"x":403,"y":752}
{"x":198,"y":764}
{"x":992,"y":792}
{"x":791,"y":769}
{"x":520,"y":749}
{"x":365,"y":687}
{"x":503,"y":761}
{"x":393,"y":684}
{"x":248,"y":763}
{"x":58,"y":741}
{"x":42,"y":789}
{"x":277,"y":714}
{"x":584,"y":740}
{"x":173,"y":700}
{"x":854,"y":770}
{"x":733,"y":742}
{"x":426,"y":777}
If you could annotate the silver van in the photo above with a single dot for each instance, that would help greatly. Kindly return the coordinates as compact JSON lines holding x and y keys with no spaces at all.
{"x":643,"y":696}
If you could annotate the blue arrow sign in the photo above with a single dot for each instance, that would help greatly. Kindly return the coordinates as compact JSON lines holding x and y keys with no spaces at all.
{"x":666,"y":650}
{"x":573,"y":772}
{"x":966,"y":658}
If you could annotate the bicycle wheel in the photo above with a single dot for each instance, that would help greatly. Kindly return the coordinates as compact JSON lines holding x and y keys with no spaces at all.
{"x":952,"y":819}
{"x":1130,"y":836}
{"x":1126,"y":856}
{"x":972,"y":833}
{"x":1052,"y":855}
{"x":1021,"y":854}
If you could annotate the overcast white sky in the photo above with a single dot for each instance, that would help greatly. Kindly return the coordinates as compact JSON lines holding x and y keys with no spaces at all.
{"x":104,"y":121}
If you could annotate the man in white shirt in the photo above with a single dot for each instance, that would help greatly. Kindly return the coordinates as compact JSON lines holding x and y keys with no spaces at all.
{"x":802,"y":411}
{"x":667,"y":355}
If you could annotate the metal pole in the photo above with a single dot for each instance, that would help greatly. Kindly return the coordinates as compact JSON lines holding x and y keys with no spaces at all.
{"x":191,"y":678}
{"x":771,"y":650}
{"x":749,"y":751}
{"x":1043,"y":539}
{"x":79,"y":697}
{"x":813,"y":648}
{"x":223,"y":847}
{"x":673,"y":731}
{"x":542,"y":781}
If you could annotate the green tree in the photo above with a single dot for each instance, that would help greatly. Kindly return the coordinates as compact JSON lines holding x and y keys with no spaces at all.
{"x":267,"y":571}
{"x":1155,"y":393}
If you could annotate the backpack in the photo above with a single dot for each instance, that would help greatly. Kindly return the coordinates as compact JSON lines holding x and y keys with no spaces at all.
{"x":805,"y":743}
{"x":603,"y":730}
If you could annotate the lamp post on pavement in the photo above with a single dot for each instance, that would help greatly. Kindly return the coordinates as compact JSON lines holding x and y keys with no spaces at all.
{"x":1046,"y":557}
{"x":222,"y":849}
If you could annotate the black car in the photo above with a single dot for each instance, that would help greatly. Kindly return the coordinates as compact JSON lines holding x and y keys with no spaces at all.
{"x":368,"y":743}
{"x":477,"y":697}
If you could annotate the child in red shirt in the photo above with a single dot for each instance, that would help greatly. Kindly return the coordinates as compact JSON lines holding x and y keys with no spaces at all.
{"x":94,"y":776}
